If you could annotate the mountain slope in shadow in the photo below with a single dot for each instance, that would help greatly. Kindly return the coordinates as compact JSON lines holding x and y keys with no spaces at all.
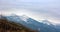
{"x":7,"y":26}
{"x":32,"y":23}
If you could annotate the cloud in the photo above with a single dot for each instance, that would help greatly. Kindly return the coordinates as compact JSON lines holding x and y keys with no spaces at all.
{"x":37,"y":9}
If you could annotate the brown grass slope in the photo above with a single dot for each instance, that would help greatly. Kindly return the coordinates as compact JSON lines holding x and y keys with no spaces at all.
{"x":7,"y":26}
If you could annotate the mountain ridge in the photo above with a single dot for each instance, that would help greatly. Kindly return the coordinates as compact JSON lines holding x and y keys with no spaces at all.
{"x":33,"y":24}
{"x":7,"y":26}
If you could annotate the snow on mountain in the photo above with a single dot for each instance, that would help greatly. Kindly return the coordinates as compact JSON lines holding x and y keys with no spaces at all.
{"x":31,"y":23}
{"x":24,"y":18}
{"x":46,"y":22}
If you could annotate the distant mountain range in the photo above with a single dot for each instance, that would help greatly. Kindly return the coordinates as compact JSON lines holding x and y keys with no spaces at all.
{"x":44,"y":26}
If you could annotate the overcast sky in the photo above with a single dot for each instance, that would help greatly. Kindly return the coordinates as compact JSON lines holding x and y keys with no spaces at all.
{"x":37,"y":9}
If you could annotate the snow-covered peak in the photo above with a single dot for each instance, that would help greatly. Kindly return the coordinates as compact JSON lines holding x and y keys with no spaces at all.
{"x":24,"y":17}
{"x":21,"y":17}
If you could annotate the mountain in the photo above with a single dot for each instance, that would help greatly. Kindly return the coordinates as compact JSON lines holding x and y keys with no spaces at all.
{"x":11,"y":26}
{"x":57,"y":27}
{"x":46,"y":22}
{"x":32,"y":24}
{"x":41,"y":27}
